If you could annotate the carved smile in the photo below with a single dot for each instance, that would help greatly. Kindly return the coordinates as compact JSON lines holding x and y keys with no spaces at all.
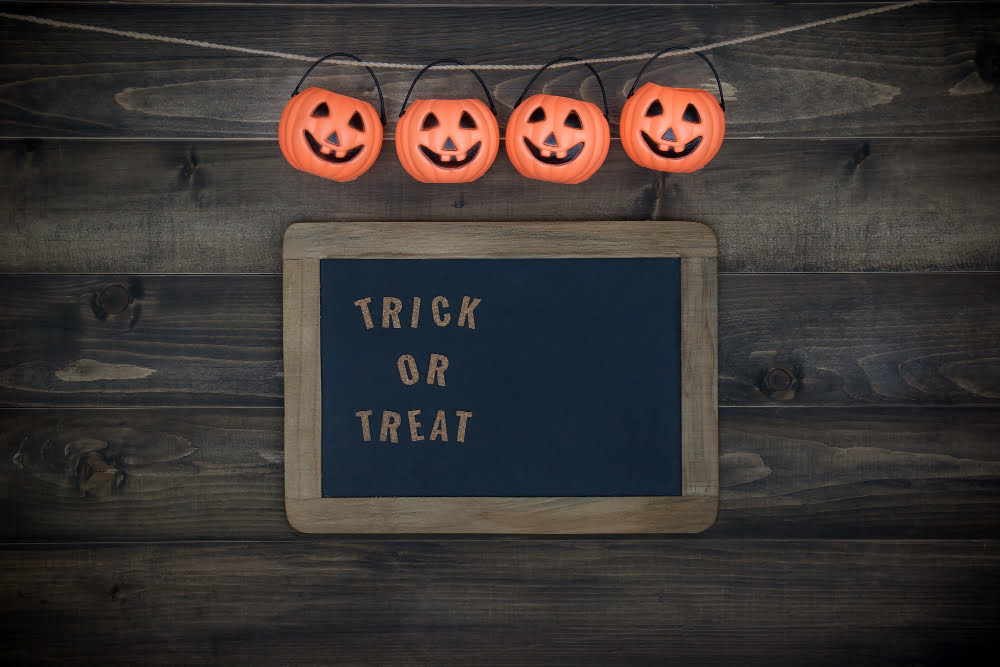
{"x":331,"y":156}
{"x":670,"y":152}
{"x":551,"y":158}
{"x":451,"y":160}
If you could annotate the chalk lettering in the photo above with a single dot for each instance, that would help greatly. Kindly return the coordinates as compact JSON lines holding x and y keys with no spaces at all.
{"x":414,"y":425}
{"x":390,"y":311}
{"x":365,"y":313}
{"x":440,"y":427}
{"x":436,"y":368}
{"x":462,"y":418}
{"x":390,"y":423}
{"x":408,"y":372}
{"x":439,"y":319}
{"x":415,"y":313}
{"x":466,"y":312}
{"x":366,"y":429}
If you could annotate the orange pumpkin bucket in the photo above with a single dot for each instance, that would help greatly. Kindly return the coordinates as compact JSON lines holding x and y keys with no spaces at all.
{"x":447,"y":141}
{"x":558,"y":139}
{"x":672,"y":129}
{"x":328,"y":134}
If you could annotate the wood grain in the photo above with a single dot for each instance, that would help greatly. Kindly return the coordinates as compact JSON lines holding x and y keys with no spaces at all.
{"x":849,"y":339}
{"x":179,"y":474}
{"x":867,"y":77}
{"x":502,"y":602}
{"x":854,"y":200}
{"x":305,"y":244}
{"x":836,"y":473}
{"x":303,"y":380}
{"x":566,"y":515}
{"x":472,"y":240}
{"x":699,"y":377}
{"x":218,"y":474}
{"x":217,"y":341}
{"x":847,"y":4}
{"x":776,"y":205}
{"x":843,"y":339}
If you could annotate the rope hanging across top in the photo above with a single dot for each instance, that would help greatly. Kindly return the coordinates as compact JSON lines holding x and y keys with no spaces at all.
{"x":416,"y":66}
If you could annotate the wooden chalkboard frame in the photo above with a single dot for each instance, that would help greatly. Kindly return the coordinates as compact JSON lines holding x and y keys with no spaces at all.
{"x":305,"y":244}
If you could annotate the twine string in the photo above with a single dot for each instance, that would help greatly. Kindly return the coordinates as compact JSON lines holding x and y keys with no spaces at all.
{"x":495,"y":66}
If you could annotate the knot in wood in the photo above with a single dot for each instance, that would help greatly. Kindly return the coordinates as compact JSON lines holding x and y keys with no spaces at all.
{"x":114,"y":298}
{"x":778,"y":380}
{"x":95,"y":476}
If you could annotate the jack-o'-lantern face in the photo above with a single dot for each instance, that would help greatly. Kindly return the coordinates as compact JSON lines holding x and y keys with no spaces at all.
{"x":558,"y":139}
{"x":447,"y":141}
{"x":330,"y":135}
{"x":672,"y":129}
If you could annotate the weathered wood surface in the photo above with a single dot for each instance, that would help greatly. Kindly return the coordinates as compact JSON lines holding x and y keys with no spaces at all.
{"x":504,"y":602}
{"x":923,"y":70}
{"x":847,"y":5}
{"x":857,"y":467}
{"x":835,"y":339}
{"x":218,"y":474}
{"x":220,"y":343}
{"x":850,"y":339}
{"x":838,"y":473}
{"x":488,"y":240}
{"x":776,"y":205}
{"x":138,"y":474}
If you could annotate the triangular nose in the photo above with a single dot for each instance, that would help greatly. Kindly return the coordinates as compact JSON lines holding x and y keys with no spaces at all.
{"x":669,"y":135}
{"x":449,"y":145}
{"x":334,"y":139}
{"x":551,"y":140}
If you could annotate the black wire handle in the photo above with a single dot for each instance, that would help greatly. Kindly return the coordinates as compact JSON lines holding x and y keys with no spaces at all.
{"x":722,"y":101}
{"x":489,"y":98}
{"x":566,"y":59}
{"x":381,"y":102}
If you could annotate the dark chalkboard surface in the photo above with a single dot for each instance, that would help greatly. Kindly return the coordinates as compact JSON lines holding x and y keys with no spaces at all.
{"x":561,"y":377}
{"x":516,"y":377}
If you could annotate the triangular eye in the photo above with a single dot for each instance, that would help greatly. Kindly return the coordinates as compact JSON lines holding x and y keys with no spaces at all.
{"x":537,"y":116}
{"x":356,"y":122}
{"x":655,"y":109}
{"x":467,"y":122}
{"x":573,"y":120}
{"x":691,"y":114}
{"x":322,"y":111}
{"x":430,"y":122}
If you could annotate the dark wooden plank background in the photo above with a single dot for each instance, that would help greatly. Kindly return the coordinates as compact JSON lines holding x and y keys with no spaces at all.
{"x":848,"y":339}
{"x":921,"y":71}
{"x":208,"y":473}
{"x":508,"y":602}
{"x":777,"y":205}
{"x":855,"y":205}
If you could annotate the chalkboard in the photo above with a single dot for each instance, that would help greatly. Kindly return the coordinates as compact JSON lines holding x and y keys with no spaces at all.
{"x":544,"y":377}
{"x":513,"y":377}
